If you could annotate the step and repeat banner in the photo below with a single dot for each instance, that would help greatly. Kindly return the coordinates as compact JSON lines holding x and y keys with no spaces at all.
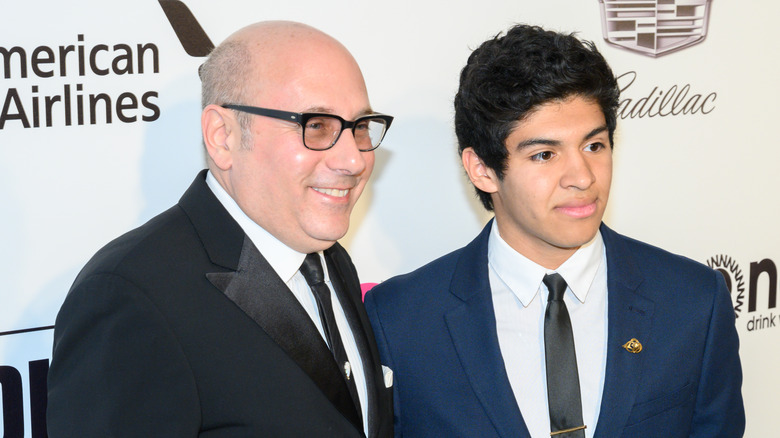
{"x":100,"y":131}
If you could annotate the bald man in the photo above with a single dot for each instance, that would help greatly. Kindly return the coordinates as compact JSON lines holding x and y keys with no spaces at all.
{"x":235,"y":313}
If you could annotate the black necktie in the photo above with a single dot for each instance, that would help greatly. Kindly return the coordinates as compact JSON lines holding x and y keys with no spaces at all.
{"x":312,"y":272}
{"x":563,"y":382}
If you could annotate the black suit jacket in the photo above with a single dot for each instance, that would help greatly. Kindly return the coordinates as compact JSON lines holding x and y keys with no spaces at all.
{"x":180,"y":328}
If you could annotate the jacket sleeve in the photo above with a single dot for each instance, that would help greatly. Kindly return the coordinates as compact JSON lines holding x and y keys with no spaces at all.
{"x":117,"y":369}
{"x":719,"y":410}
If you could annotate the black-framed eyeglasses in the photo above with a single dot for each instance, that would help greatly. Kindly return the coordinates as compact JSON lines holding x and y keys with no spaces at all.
{"x":321,"y":131}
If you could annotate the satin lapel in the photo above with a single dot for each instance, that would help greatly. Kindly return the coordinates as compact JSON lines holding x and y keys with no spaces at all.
{"x":629,"y":317}
{"x":472,"y":327}
{"x":263,"y":296}
{"x":347,"y":287}
{"x":221,"y":236}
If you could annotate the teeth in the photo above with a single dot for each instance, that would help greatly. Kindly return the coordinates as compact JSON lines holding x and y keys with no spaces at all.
{"x":332,"y":192}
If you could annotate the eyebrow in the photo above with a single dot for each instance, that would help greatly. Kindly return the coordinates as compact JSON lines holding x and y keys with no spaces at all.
{"x":551,"y":142}
{"x":327,"y":110}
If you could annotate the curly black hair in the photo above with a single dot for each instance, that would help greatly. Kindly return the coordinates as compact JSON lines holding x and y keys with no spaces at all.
{"x":508,"y":77}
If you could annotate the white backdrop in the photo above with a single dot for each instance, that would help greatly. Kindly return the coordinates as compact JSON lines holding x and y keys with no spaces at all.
{"x":703,"y":185}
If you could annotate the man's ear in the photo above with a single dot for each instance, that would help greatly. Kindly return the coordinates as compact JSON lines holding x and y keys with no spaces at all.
{"x":483,"y":177}
{"x":221,"y":135}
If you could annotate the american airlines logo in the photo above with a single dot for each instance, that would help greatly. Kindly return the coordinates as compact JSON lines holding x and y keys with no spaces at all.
{"x":71,"y":99}
{"x":654,"y":27}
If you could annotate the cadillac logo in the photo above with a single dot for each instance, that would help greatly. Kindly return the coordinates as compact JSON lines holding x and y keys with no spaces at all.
{"x":654,"y":27}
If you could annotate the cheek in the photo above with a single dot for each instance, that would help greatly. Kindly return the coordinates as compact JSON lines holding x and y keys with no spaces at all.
{"x":300,"y":166}
{"x":370,"y":160}
{"x":605,"y":174}
{"x":523,"y":195}
{"x":299,"y":157}
{"x":536,"y":189}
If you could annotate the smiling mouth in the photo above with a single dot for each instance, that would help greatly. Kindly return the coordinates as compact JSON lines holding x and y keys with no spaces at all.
{"x":332,"y":192}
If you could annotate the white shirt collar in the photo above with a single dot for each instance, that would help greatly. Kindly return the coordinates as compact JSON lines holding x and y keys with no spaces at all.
{"x":284,"y":260}
{"x":523,"y":276}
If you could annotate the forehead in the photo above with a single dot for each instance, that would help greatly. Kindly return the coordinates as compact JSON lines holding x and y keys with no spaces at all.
{"x":305,"y":73}
{"x":559,"y":118}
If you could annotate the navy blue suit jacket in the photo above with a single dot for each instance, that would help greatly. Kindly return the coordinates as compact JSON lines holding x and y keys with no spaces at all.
{"x":436,"y":329}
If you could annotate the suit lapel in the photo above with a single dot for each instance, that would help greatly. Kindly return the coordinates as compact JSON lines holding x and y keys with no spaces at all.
{"x":248,"y":280}
{"x":263,"y":296}
{"x":251,"y":283}
{"x":472,"y":326}
{"x":221,"y":236}
{"x":629,"y":317}
{"x":347,"y":288}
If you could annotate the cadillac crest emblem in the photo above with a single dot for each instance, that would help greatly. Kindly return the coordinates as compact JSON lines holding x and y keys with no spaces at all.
{"x":654,"y":27}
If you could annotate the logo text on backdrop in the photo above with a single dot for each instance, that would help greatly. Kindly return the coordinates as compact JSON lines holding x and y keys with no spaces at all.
{"x":47,"y":104}
{"x":762,"y":277}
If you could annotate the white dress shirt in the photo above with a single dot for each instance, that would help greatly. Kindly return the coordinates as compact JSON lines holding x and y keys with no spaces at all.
{"x":286,"y":262}
{"x":519,"y":302}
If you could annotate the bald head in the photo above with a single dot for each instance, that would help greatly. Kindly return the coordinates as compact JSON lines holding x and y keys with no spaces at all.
{"x":266,"y":54}
{"x":269,"y":57}
{"x":273,"y":38}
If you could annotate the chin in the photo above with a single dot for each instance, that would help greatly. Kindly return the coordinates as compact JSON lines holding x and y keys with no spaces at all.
{"x":580,"y":239}
{"x":330,"y":234}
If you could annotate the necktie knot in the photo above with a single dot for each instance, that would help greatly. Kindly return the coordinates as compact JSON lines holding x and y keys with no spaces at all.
{"x":556,"y":285}
{"x":311,"y":269}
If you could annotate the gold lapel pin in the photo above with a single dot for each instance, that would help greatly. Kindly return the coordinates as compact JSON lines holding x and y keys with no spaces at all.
{"x":633,"y":346}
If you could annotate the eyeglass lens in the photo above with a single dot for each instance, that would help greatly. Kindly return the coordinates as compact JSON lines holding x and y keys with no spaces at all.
{"x":321,"y":132}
